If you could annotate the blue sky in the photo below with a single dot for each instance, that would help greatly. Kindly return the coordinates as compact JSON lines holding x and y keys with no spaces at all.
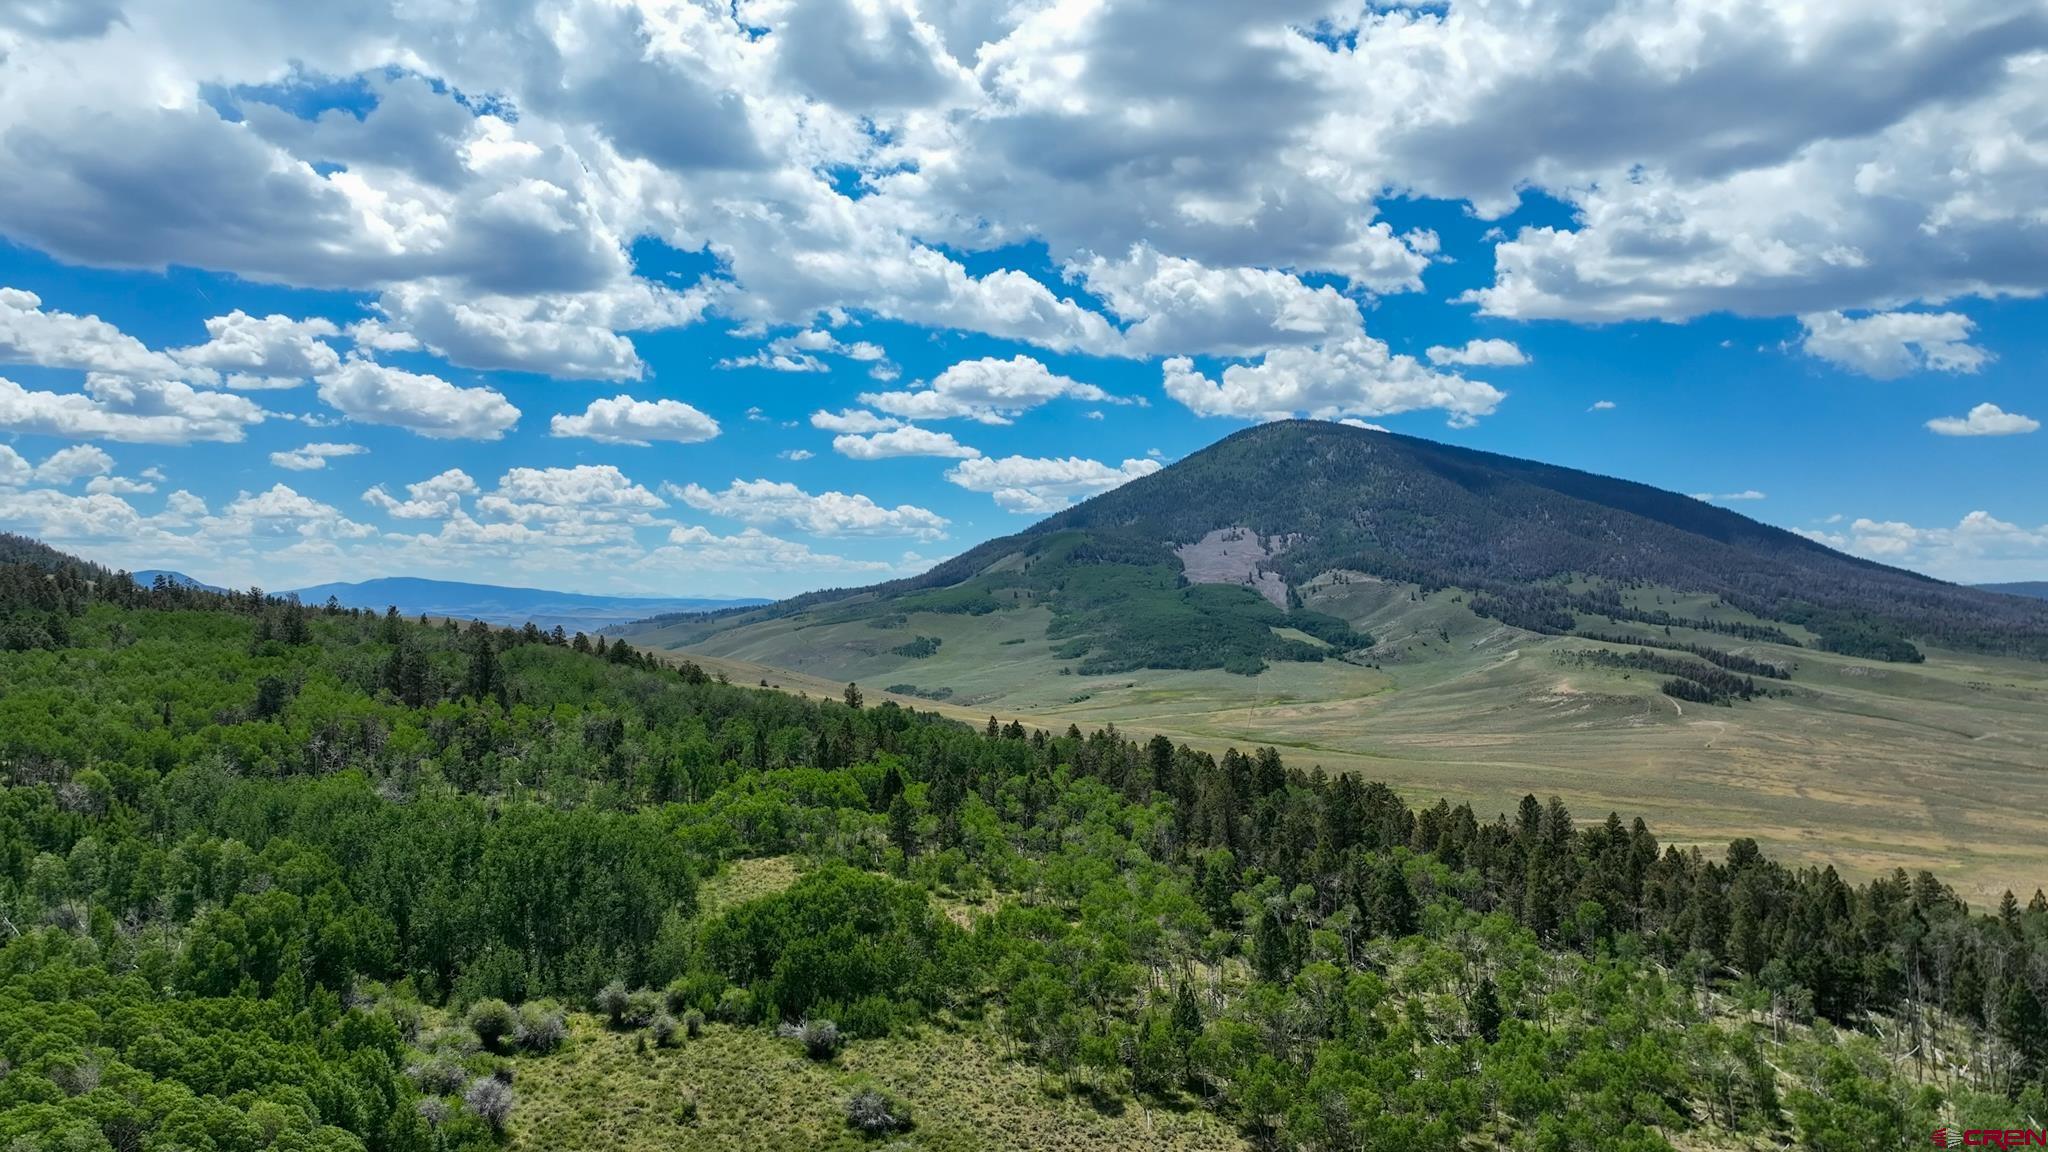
{"x":1014,"y":258}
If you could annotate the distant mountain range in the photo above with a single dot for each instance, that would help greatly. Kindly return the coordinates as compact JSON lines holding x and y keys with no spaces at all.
{"x":492,"y":603}
{"x":2038,"y":589}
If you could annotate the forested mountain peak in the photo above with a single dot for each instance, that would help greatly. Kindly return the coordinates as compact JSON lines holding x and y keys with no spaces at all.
{"x":1540,"y":546}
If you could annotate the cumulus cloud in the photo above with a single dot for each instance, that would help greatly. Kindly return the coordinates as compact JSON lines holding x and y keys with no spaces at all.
{"x":909,"y":440}
{"x":1984,"y":420}
{"x":694,"y":548}
{"x":74,"y":463}
{"x":1355,"y":377}
{"x":624,"y":420}
{"x":988,"y":390}
{"x":251,"y":352}
{"x":136,"y":411}
{"x":855,"y":420}
{"x":823,"y":514}
{"x":1177,"y":305}
{"x":1886,"y":345}
{"x":423,"y":404}
{"x":802,"y":352}
{"x":437,"y":497}
{"x":30,"y":334}
{"x":1979,"y":548}
{"x":1039,"y":485}
{"x":595,"y":493}
{"x":313,"y":457}
{"x":570,"y":336}
{"x":1479,"y":353}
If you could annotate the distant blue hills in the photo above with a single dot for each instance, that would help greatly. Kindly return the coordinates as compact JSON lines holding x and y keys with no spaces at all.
{"x":492,"y":603}
{"x":2038,"y":589}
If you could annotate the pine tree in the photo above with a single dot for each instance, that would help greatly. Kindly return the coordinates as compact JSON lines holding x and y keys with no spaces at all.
{"x":852,"y":696}
{"x":903,"y":826}
{"x":1485,"y":1010}
{"x":485,"y":680}
{"x":1272,"y":950}
{"x":1393,"y":911}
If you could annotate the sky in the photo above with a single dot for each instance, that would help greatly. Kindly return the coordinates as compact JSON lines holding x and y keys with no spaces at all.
{"x":758,"y":296}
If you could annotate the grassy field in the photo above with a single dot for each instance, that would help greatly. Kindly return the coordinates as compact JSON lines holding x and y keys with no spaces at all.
{"x":1864,"y":765}
{"x":759,"y":1094}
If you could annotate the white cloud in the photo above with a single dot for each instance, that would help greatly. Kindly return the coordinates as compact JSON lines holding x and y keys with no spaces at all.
{"x":855,"y":420}
{"x":595,"y":494}
{"x":1601,"y":406}
{"x":906,"y":441}
{"x":435,"y":498}
{"x":280,"y":510}
{"x":800,"y":352}
{"x":795,"y":454}
{"x":74,"y":463}
{"x":427,"y":405}
{"x":375,"y":335}
{"x":1984,"y":420}
{"x":1176,"y":305}
{"x":13,"y":469}
{"x":624,"y":420}
{"x":1980,"y":548}
{"x":119,"y":486}
{"x":570,"y":336}
{"x":824,"y":514}
{"x":1038,"y":485}
{"x":136,"y":411}
{"x":313,"y":457}
{"x":1890,"y":344}
{"x":988,"y":390}
{"x":696,"y":549}
{"x":1479,"y":353}
{"x":48,"y":339}
{"x":1356,"y":377}
{"x":250,"y":352}
{"x":1746,"y":494}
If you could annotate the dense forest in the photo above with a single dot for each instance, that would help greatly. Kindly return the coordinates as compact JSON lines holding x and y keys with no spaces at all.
{"x":1538,"y":546}
{"x":283,"y":876}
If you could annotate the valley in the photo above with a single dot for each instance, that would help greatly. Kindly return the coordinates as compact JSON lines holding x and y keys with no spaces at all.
{"x":1862,"y":763}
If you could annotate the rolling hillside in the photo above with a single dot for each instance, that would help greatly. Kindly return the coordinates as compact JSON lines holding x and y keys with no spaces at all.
{"x":1456,"y":621}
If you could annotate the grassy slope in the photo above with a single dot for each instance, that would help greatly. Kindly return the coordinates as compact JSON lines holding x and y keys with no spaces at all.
{"x":757,"y":1093}
{"x":1864,"y":765}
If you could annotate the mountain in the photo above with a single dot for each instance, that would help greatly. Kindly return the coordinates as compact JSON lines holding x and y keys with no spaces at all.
{"x":148,"y":576}
{"x":503,"y":605}
{"x":1204,"y":564}
{"x":2035,"y":589}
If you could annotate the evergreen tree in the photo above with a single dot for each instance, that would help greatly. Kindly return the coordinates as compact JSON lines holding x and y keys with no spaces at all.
{"x":1485,"y":1010}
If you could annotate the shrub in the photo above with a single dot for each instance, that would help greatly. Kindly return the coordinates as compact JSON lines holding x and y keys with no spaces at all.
{"x":642,"y":1007}
{"x":686,"y":1107}
{"x":693,"y":1023}
{"x":490,"y":1100}
{"x":820,"y":1038}
{"x":614,"y":1002}
{"x":875,"y":1115}
{"x":664,"y":1028}
{"x":492,"y":1021}
{"x":542,"y":1028}
{"x":434,"y":1111}
{"x":437,"y":1076}
{"x":736,"y":1006}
